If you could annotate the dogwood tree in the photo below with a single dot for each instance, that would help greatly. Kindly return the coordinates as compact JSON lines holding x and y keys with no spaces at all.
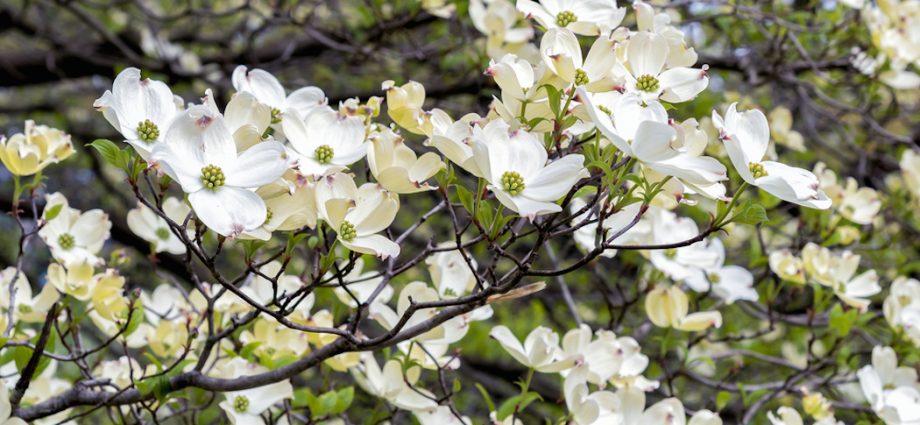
{"x":650,"y":213}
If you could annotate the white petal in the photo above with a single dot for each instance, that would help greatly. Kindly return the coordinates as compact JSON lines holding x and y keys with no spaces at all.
{"x":602,"y":122}
{"x":228,"y":211}
{"x":556,"y":179}
{"x":653,"y":142}
{"x":377,"y":245}
{"x":304,"y":100}
{"x":244,"y":109}
{"x":682,"y":84}
{"x":257,"y":166}
{"x":510,"y":343}
{"x":260,"y":83}
{"x":646,"y":54}
{"x":794,"y":185}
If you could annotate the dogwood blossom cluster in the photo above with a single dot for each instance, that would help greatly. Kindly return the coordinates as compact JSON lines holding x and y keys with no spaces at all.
{"x":894,"y":33}
{"x":834,"y":270}
{"x":589,"y":142}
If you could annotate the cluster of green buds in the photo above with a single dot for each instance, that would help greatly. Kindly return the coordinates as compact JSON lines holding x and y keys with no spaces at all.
{"x":324,"y":154}
{"x":647,"y":83}
{"x":347,"y":231}
{"x":512,"y":182}
{"x":212,"y":177}
{"x":147,"y":131}
{"x":241,"y":403}
{"x":66,"y":241}
{"x":757,"y":170}
{"x":581,"y":77}
{"x":563,"y":19}
{"x":162,"y":233}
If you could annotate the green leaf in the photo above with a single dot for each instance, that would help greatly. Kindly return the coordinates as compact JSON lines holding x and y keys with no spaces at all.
{"x":137,"y":317}
{"x":555,"y":98}
{"x":109,"y":151}
{"x":486,"y":397}
{"x":53,"y":212}
{"x":301,"y":396}
{"x":722,"y":399}
{"x":343,"y":399}
{"x":753,"y":214}
{"x":248,"y":349}
{"x":466,"y":198}
{"x":327,"y":402}
{"x":516,"y":404}
{"x":157,"y":385}
{"x":841,"y":322}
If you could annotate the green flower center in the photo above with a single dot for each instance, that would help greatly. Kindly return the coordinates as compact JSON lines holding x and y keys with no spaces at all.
{"x":66,"y":241}
{"x":268,"y":214}
{"x":647,"y":83}
{"x":512,"y":182}
{"x":581,"y":77}
{"x":324,"y":154}
{"x":162,"y":233}
{"x":147,"y":131}
{"x":241,"y":404}
{"x":348,"y":232}
{"x":757,"y":170}
{"x":670,"y":252}
{"x":212,"y":176}
{"x":713,"y":277}
{"x":563,"y":19}
{"x":276,"y":115}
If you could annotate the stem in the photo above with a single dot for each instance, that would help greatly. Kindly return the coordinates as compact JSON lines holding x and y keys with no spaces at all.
{"x":731,"y":204}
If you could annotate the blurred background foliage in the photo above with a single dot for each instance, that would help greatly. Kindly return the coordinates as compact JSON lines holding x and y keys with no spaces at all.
{"x":56,"y":57}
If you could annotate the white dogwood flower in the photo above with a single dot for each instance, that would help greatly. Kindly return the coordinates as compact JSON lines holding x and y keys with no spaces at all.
{"x":154,"y":229}
{"x":141,"y":110}
{"x":514,"y":164}
{"x":200,"y":153}
{"x":679,"y":54}
{"x":746,"y":136}
{"x":562,"y":55}
{"x":731,"y":283}
{"x":72,"y":236}
{"x":902,"y":307}
{"x":668,"y":307}
{"x":450,"y":272}
{"x":584,"y":17}
{"x":6,"y":409}
{"x":37,"y":147}
{"x":390,"y":384}
{"x":893,"y":392}
{"x":640,"y":129}
{"x":24,"y":306}
{"x":326,"y":140}
{"x":289,"y":206}
{"x":787,"y":266}
{"x":76,"y":280}
{"x":358,"y":218}
{"x":246,"y":407}
{"x":396,"y":166}
{"x":540,"y":350}
{"x":266,"y":88}
{"x":647,"y":54}
{"x":588,"y":408}
{"x":607,"y":358}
